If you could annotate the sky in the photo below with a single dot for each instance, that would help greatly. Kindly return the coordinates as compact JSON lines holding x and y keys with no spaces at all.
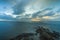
{"x":29,"y":10}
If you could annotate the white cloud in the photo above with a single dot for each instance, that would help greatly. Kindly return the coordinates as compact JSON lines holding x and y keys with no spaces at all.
{"x":5,"y":20}
{"x":10,"y":13}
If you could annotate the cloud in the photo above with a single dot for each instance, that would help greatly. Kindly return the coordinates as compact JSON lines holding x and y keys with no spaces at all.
{"x":47,"y":14}
{"x":19,"y":11}
{"x":29,"y":10}
{"x":5,"y":17}
{"x":43,"y":12}
{"x":10,"y":13}
{"x":5,"y":20}
{"x":54,"y":17}
{"x":35,"y":10}
{"x":39,"y":15}
{"x":19,"y":7}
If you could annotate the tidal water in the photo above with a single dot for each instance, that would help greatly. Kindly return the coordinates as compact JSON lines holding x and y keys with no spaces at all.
{"x":9,"y":29}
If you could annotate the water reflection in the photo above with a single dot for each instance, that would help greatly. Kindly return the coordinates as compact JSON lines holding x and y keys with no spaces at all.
{"x":12,"y":29}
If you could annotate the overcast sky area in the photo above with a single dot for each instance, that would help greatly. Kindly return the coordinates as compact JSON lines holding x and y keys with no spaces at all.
{"x":29,"y":10}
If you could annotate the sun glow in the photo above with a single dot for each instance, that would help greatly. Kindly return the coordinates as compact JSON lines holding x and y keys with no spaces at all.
{"x":35,"y":19}
{"x":46,"y":17}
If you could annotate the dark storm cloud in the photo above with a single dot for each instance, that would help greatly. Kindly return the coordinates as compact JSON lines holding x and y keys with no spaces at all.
{"x":47,"y":9}
{"x":41,"y":12}
{"x":6,"y":17}
{"x":19,"y":7}
{"x":50,"y":14}
{"x":36,"y":14}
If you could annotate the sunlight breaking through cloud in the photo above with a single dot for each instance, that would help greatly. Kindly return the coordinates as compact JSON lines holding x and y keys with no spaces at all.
{"x":29,"y":9}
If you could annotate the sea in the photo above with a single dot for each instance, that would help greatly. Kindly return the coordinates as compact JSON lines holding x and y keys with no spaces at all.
{"x":9,"y":29}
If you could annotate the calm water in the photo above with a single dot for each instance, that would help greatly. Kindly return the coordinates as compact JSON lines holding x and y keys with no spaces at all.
{"x":12,"y":29}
